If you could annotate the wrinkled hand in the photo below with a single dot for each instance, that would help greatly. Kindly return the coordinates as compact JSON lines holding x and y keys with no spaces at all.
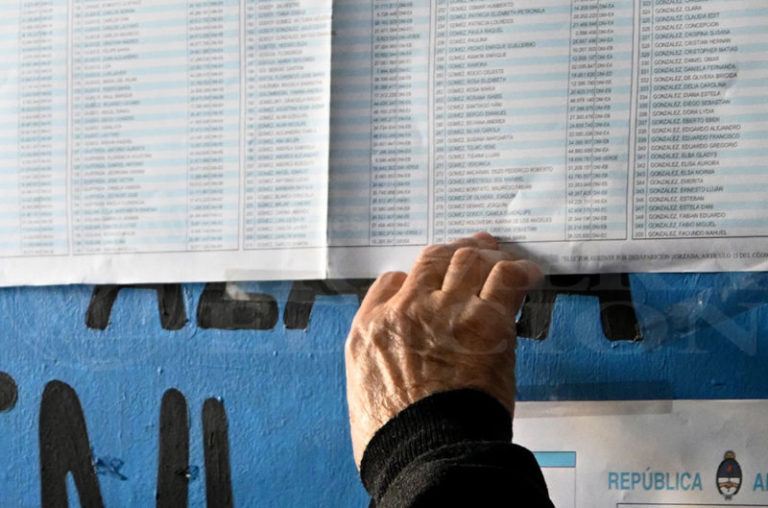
{"x":448,"y":324}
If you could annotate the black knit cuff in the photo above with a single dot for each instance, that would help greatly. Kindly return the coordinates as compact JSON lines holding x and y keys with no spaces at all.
{"x":442,"y":418}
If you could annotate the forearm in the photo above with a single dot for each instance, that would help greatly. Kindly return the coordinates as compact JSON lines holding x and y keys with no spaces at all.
{"x":451,"y":448}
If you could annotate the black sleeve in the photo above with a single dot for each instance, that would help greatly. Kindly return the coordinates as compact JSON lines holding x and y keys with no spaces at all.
{"x":451,"y":449}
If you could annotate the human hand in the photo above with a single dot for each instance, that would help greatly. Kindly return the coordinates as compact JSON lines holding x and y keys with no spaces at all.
{"x":448,"y":324}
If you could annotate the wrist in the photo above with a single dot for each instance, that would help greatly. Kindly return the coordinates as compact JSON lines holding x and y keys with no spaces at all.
{"x":437,"y":420}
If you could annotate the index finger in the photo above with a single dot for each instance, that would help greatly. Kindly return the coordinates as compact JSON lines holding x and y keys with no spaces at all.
{"x":429,"y":270}
{"x":508,"y":283}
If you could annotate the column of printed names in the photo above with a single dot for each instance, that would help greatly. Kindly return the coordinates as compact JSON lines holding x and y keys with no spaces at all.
{"x":129,"y":126}
{"x":33,"y":129}
{"x":500,"y":104}
{"x":287,"y":81}
{"x":701,"y":120}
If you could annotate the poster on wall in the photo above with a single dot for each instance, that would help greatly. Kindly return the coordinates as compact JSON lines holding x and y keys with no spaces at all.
{"x":245,"y":140}
{"x":661,"y":454}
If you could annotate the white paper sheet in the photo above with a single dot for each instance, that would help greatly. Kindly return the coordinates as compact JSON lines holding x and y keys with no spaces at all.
{"x":596,"y":136}
{"x":163,"y":140}
{"x":658,"y":453}
{"x":172,"y":141}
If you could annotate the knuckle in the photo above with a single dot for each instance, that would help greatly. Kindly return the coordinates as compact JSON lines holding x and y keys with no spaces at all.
{"x":351,"y":345}
{"x":434,"y":251}
{"x":511,"y":274}
{"x":441,"y":299}
{"x":385,"y":277}
{"x":401,"y":308}
{"x":391,"y":278}
{"x":465,"y":255}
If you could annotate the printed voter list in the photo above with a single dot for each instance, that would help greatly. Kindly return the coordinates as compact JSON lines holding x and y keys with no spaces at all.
{"x":235,"y":139}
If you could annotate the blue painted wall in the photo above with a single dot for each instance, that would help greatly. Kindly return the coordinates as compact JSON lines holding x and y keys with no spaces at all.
{"x":283,"y":389}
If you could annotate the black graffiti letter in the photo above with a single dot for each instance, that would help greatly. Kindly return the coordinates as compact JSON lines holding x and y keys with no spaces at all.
{"x":173,"y":456}
{"x":303,"y":292}
{"x":617,"y":311}
{"x":8,"y":392}
{"x":257,"y":311}
{"x":170,"y":305}
{"x":218,"y":483}
{"x":64,"y":448}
